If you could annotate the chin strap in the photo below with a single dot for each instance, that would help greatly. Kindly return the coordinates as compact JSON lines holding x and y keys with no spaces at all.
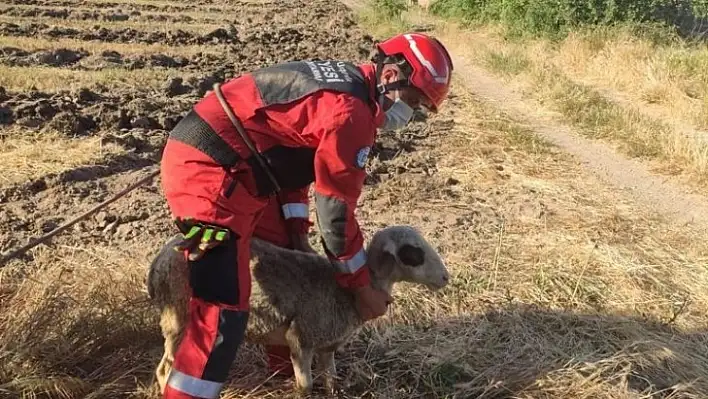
{"x":385,"y":88}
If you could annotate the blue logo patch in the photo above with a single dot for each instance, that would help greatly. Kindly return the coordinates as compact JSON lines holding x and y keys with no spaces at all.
{"x":362,"y":156}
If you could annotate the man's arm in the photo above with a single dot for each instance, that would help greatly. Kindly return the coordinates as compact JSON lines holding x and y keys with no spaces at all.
{"x":340,"y":162}
{"x":339,"y":178}
{"x":296,"y":211}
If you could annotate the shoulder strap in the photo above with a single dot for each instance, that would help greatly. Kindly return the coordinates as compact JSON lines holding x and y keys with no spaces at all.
{"x":242,"y":132}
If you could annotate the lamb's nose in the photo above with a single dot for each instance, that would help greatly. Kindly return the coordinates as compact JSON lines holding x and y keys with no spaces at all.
{"x":446,"y":278}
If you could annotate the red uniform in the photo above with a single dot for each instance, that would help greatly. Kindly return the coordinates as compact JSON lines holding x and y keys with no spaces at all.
{"x":312,"y":121}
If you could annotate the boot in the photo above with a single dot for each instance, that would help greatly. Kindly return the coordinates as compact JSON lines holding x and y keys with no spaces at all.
{"x":279,"y":360}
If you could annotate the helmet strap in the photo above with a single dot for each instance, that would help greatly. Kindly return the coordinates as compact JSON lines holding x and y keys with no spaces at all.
{"x":385,"y":88}
{"x":381,"y":88}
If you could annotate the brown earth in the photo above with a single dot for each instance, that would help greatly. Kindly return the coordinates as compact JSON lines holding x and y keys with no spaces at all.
{"x":87,"y":112}
{"x":172,"y":8}
{"x":124,"y":13}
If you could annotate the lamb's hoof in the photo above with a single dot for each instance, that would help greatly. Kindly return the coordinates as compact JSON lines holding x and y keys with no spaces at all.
{"x":331,"y":388}
{"x":303,"y":392}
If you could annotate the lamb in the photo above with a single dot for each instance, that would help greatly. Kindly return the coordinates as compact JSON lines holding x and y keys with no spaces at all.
{"x":295,"y":300}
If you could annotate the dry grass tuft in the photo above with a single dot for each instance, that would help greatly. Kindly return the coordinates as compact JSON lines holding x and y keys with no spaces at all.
{"x":49,"y":79}
{"x":97,"y":47}
{"x":27,"y":155}
{"x":77,"y":324}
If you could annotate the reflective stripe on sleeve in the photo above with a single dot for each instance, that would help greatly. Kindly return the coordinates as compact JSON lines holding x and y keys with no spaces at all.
{"x":295,"y":210}
{"x":194,"y":386}
{"x":351,"y":265}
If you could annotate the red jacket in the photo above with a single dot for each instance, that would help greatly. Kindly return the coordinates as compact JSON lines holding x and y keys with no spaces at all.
{"x":311,"y":121}
{"x":278,"y":223}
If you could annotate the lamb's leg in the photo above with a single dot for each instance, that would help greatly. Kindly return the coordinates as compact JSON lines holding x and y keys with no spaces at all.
{"x":301,"y":358}
{"x":163,"y":369}
{"x":172,"y":325}
{"x":302,"y":366}
{"x":325,"y":360}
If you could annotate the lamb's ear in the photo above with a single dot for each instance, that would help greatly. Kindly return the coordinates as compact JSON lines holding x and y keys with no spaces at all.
{"x":411,"y":255}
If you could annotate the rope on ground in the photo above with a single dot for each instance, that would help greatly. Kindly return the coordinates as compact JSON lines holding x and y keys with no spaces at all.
{"x":34,"y":242}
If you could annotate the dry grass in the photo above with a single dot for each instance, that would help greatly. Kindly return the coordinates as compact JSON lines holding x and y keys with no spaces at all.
{"x":78,"y":325}
{"x":50,"y":79}
{"x":674,"y":77}
{"x":669,"y":79}
{"x":27,"y":155}
{"x":560,"y":290}
{"x":671,"y":145}
{"x":96,"y":47}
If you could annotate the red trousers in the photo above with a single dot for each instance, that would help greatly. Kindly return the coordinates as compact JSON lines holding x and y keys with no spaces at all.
{"x":194,"y":186}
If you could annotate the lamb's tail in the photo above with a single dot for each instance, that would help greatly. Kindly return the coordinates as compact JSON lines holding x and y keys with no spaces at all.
{"x":159,"y":269}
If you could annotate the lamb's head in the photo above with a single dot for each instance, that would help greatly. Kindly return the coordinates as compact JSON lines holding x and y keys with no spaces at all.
{"x":401,"y":253}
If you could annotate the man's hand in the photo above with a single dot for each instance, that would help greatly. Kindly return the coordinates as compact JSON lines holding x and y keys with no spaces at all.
{"x":199,"y":237}
{"x":370,"y":302}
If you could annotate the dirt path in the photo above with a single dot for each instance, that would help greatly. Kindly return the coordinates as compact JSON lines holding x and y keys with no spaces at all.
{"x":630,"y":176}
{"x":634,"y":179}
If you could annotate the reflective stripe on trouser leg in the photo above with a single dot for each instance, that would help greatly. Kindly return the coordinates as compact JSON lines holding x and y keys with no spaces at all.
{"x":203,"y":360}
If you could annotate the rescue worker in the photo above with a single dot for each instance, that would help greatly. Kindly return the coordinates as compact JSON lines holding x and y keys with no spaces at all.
{"x":270,"y":133}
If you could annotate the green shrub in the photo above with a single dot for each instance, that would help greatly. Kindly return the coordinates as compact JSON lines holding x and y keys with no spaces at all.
{"x":389,"y":9}
{"x":556,"y":17}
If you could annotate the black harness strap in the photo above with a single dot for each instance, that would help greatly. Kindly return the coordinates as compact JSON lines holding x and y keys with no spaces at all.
{"x":194,"y":131}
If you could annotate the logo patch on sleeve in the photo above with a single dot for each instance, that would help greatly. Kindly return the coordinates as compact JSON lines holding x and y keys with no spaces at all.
{"x":362,"y":156}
